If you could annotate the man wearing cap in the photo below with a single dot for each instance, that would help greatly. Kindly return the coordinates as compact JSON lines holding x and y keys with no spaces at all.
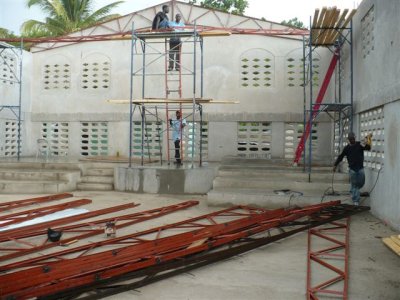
{"x":354,"y":152}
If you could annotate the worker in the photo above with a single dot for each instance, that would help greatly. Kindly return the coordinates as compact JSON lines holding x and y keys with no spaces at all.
{"x":354,"y":152}
{"x":175,"y":44}
{"x":161,"y":19}
{"x":177,"y":125}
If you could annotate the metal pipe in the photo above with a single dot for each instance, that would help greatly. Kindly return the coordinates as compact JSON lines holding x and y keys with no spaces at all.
{"x":20,"y":100}
{"x":351,"y":76}
{"x":311,"y":106}
{"x":133,"y":43}
{"x":304,"y":98}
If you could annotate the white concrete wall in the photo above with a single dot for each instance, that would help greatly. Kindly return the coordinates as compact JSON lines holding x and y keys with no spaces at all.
{"x":222,"y":73}
{"x":376,"y":84}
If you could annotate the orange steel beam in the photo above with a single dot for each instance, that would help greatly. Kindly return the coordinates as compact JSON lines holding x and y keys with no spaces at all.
{"x":84,"y":230}
{"x":39,"y":212}
{"x":136,"y":279}
{"x":233,"y":212}
{"x":41,"y":228}
{"x":145,"y":252}
{"x":19,"y":203}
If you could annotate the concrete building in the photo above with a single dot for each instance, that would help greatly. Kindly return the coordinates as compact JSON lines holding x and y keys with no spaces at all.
{"x":65,"y":88}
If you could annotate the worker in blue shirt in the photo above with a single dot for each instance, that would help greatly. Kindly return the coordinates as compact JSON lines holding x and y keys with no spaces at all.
{"x":175,"y":44}
{"x":177,"y":125}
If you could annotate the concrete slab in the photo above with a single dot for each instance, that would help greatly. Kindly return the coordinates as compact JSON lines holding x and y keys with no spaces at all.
{"x":276,"y":271}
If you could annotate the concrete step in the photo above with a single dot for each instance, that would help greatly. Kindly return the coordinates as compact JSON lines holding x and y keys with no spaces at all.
{"x":282,"y":174}
{"x":268,"y":198}
{"x":39,"y":165}
{"x":99,"y":172}
{"x":36,"y":174}
{"x":36,"y":186}
{"x":274,"y":184}
{"x":98,"y":179}
{"x":92,"y":186}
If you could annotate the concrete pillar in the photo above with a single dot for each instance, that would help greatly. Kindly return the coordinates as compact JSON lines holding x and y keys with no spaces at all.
{"x":278,"y":139}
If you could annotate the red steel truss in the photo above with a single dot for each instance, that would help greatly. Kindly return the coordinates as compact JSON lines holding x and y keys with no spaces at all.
{"x":41,"y":228}
{"x":19,"y":203}
{"x":26,"y":215}
{"x":328,"y":258}
{"x":82,"y":231}
{"x":145,"y":250}
{"x":133,"y":280}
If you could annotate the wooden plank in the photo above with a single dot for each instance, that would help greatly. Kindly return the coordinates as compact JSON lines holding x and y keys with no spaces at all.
{"x":392,"y":245}
{"x":214,"y":33}
{"x":315,"y":20}
{"x":325,"y":24}
{"x":170,"y":101}
{"x":315,"y":34}
{"x":332,"y":23}
{"x":339,"y":25}
{"x":396,"y":239}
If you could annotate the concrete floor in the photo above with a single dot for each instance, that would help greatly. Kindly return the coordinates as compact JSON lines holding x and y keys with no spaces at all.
{"x":275,"y":271}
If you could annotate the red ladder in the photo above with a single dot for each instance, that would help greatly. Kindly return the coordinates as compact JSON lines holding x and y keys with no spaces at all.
{"x":320,"y":97}
{"x":173,"y":85}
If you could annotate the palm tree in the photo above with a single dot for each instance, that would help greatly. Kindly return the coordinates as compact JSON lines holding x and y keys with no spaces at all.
{"x":66,"y":16}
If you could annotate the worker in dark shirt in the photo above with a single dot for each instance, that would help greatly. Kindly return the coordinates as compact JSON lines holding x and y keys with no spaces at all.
{"x":354,"y":152}
{"x":161,"y":19}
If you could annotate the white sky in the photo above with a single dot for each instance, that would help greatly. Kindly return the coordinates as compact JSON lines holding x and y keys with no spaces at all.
{"x":14,"y":12}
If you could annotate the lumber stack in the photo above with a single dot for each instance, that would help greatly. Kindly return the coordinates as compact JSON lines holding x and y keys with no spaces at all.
{"x":393,"y":242}
{"x":328,"y":24}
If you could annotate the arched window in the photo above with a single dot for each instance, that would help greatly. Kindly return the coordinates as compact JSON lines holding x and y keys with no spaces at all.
{"x":56,"y":73}
{"x":96,"y":72}
{"x":257,"y":69}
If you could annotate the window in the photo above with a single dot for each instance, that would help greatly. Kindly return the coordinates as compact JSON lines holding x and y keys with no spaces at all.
{"x":96,"y":72}
{"x":191,"y":140}
{"x":257,"y":68}
{"x":56,"y":73}
{"x":293,"y":134}
{"x":367,"y":32}
{"x":372,"y":121}
{"x":254,"y":139}
{"x":94,"y":138}
{"x":10,"y":140}
{"x":8,"y":68}
{"x":57,"y":135}
{"x":152,"y":139}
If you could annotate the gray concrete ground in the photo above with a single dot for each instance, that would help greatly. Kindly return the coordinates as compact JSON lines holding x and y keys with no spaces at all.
{"x":275,"y":271}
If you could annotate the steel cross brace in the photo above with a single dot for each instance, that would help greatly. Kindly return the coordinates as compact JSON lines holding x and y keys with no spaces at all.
{"x":82,"y":231}
{"x":133,"y":280}
{"x":19,"y":203}
{"x":76,"y":272}
{"x":26,"y":215}
{"x":328,"y":254}
{"x":35,"y":229}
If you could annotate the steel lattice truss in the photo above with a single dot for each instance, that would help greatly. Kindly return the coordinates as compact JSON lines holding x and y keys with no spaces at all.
{"x":161,"y":251}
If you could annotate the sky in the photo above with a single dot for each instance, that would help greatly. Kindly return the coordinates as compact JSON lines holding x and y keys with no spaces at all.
{"x":14,"y":12}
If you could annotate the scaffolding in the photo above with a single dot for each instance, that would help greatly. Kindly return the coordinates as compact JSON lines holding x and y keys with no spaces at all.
{"x":333,"y":31}
{"x":154,"y":47}
{"x":11,"y":73}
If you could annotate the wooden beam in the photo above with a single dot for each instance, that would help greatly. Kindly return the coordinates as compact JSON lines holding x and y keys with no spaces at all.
{"x":316,"y":33}
{"x":169,"y":101}
{"x":338,"y":26}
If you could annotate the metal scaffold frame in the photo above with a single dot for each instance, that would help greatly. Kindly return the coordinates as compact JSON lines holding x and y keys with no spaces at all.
{"x":151,"y":106}
{"x":17,"y":78}
{"x":333,"y":31}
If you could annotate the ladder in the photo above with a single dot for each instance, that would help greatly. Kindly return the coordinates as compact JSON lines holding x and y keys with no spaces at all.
{"x":173,"y":90}
{"x":318,"y":101}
